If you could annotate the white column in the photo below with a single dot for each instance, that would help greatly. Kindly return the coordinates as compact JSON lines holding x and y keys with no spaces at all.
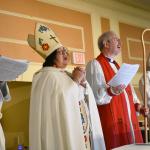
{"x":96,"y":31}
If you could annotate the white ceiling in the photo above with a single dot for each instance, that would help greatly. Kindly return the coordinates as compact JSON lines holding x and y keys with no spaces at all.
{"x":140,"y":4}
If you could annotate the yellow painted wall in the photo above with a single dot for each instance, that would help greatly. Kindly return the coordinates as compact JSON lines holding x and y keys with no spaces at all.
{"x":16,"y":114}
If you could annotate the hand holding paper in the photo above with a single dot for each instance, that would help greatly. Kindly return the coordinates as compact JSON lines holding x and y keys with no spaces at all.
{"x":118,"y":89}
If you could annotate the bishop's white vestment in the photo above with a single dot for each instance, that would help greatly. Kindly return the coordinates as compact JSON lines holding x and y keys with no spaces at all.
{"x":60,"y":118}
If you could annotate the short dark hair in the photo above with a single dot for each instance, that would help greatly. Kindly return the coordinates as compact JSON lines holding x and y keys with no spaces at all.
{"x":50,"y":60}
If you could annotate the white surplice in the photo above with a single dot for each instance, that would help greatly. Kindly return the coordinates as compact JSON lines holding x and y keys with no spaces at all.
{"x":141,"y":88}
{"x":4,"y":96}
{"x":2,"y":138}
{"x":55,"y":120}
{"x":96,"y":79}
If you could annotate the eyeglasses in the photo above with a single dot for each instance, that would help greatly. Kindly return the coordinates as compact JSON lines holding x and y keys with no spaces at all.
{"x":64,"y":51}
{"x":115,"y":39}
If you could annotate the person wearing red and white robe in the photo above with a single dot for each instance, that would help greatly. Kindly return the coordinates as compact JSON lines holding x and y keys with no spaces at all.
{"x":117,"y":105}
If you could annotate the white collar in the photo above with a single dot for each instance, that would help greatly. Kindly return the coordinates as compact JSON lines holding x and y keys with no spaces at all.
{"x":52,"y":69}
{"x":110,"y":59}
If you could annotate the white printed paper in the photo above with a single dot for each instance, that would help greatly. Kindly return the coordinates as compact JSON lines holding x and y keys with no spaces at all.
{"x":124,"y":75}
{"x":10,"y":68}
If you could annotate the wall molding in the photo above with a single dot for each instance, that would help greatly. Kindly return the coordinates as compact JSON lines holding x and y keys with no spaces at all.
{"x":128,"y":39}
{"x":41,"y":20}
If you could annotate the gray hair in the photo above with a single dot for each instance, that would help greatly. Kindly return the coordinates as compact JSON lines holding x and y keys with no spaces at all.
{"x":104,"y":38}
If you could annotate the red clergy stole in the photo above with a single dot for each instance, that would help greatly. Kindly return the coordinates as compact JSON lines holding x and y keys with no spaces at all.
{"x":114,"y":116}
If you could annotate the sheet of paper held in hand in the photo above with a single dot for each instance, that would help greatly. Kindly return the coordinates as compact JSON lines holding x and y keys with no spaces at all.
{"x":124,"y":75}
{"x":10,"y":68}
